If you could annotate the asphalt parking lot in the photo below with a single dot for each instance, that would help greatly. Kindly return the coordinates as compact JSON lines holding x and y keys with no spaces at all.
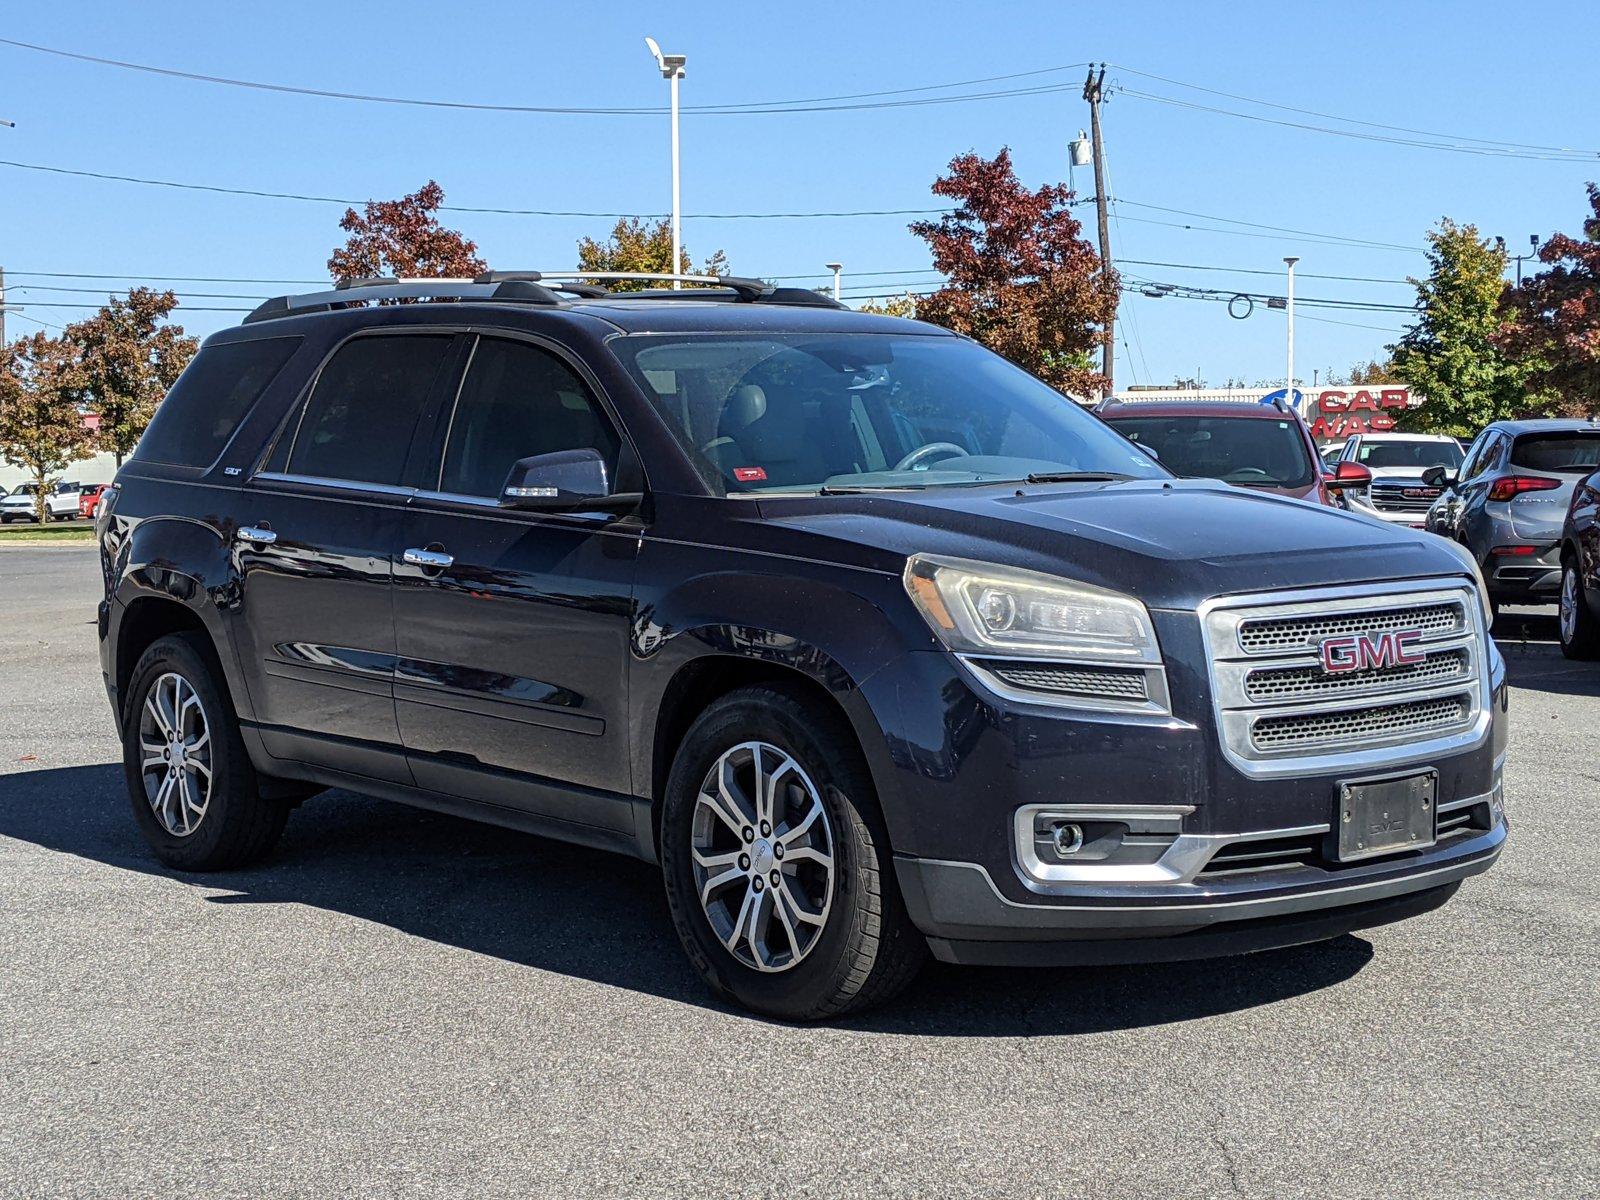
{"x":400,"y":1003}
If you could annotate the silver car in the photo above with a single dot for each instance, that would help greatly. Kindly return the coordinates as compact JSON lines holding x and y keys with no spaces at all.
{"x":1398,"y":461}
{"x":1508,"y":501}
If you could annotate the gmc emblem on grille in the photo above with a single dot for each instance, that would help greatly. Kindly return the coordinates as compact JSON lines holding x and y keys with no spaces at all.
{"x":1363,"y":650}
{"x":1420,"y":493}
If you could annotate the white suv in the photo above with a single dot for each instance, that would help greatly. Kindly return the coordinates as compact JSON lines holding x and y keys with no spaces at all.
{"x":60,"y":505}
{"x":1397,"y":461}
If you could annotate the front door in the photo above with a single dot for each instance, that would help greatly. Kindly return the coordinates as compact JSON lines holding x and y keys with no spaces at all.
{"x":319,"y":533}
{"x":512,"y":631}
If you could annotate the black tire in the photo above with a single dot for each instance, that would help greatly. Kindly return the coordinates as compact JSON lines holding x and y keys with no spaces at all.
{"x":237,"y":826}
{"x":1579,"y":633}
{"x":867,"y":949}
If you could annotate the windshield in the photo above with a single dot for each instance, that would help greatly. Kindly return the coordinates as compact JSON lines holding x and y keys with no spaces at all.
{"x":786,"y":413}
{"x":1249,"y":451}
{"x":1408,"y":455}
{"x":1577,"y":453}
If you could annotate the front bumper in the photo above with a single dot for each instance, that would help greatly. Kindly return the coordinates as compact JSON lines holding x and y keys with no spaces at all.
{"x":967,"y":919}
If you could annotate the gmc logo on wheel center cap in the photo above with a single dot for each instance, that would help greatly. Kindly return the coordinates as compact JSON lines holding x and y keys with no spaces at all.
{"x":1361,"y":651}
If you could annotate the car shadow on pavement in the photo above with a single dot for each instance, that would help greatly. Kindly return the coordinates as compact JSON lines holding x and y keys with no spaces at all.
{"x":603,"y":917}
{"x":1531,"y":644}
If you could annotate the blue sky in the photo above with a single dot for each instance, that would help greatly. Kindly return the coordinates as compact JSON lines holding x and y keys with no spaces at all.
{"x":1485,"y":71}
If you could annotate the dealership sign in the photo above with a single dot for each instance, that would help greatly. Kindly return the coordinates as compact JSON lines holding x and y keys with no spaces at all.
{"x":1336,"y":413}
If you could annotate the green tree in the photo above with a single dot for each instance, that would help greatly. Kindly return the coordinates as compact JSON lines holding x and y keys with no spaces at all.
{"x":892,"y":306}
{"x":41,"y":426}
{"x":1449,"y":353}
{"x":128,"y":356}
{"x":1022,"y":278}
{"x":639,"y":245}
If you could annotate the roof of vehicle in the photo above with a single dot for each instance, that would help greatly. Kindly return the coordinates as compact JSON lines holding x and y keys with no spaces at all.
{"x":1113,"y":410}
{"x":1405,"y":437}
{"x":723,"y":303}
{"x":1548,"y":425}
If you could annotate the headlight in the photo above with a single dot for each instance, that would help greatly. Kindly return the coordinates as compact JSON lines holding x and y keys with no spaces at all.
{"x":983,"y":608}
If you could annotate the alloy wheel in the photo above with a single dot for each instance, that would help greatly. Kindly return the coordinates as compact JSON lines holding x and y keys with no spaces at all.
{"x":175,"y":754}
{"x":1569,"y":605}
{"x":763,"y":856}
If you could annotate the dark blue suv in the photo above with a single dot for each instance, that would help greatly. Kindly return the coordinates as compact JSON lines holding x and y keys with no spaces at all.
{"x":874,"y":642}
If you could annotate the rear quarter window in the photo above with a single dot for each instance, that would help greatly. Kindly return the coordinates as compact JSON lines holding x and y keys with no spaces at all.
{"x":210,"y":399}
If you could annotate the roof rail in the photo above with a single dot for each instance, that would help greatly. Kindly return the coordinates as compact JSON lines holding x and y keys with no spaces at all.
{"x":744,"y":289}
{"x":350,"y":291}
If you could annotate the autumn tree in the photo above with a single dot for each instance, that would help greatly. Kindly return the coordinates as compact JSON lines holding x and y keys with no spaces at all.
{"x":1552,"y":322}
{"x":41,"y":427}
{"x":404,"y":238}
{"x":893,"y":306}
{"x":1021,"y":277}
{"x":1449,"y":353}
{"x":128,"y":356}
{"x":639,"y":245}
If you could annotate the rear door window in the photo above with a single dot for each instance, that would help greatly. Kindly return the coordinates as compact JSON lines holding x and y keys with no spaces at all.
{"x":358,"y":423}
{"x":1573,"y":453}
{"x":211,"y":397}
{"x":517,"y":401}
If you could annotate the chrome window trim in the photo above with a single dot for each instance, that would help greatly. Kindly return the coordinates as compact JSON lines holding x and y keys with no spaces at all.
{"x":1220,"y":619}
{"x":343,"y":485}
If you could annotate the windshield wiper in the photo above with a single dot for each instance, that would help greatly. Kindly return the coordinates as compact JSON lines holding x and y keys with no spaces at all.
{"x":863,"y":489}
{"x":1077,"y":477}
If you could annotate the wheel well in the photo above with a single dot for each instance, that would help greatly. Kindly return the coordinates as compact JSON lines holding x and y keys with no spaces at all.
{"x":701,"y":682}
{"x":146,"y":620}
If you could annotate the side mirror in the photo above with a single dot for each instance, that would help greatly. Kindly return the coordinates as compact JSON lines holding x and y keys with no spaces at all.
{"x":563,"y":479}
{"x":1348,"y":475}
{"x":1439,"y":477}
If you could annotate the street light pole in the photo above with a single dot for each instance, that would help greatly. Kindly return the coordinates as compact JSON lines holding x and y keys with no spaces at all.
{"x":836,"y":268}
{"x":671,"y":66}
{"x":1288,"y":387}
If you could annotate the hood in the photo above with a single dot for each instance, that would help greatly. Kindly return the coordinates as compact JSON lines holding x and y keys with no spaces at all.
{"x":1170,"y":543}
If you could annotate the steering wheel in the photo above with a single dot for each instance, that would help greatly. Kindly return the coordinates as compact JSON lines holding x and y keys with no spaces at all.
{"x":922,"y":452}
{"x":1251,"y":472}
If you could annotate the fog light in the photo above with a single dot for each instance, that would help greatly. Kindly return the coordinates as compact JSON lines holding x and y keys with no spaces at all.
{"x":1067,"y":838}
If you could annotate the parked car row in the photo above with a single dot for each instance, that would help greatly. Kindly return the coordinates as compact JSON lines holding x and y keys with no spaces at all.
{"x":63,"y":501}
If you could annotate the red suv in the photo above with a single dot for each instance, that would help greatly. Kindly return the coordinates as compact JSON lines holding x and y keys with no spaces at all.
{"x":1262,"y":446}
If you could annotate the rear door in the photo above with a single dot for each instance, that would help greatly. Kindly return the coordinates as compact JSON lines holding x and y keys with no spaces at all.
{"x":320,"y":532}
{"x":513,"y":654}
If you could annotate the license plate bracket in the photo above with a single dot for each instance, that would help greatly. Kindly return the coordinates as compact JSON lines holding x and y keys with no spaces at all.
{"x":1386,"y":816}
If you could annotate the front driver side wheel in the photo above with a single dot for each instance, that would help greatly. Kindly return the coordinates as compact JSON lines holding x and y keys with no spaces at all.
{"x":1580,"y":631}
{"x":777,"y":862}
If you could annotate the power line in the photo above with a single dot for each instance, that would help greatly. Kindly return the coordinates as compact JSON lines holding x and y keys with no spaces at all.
{"x":1415,"y":143}
{"x":1263,"y":271}
{"x":514,"y":212}
{"x":867,"y":100}
{"x":1333,"y":237}
{"x":1307,"y":112}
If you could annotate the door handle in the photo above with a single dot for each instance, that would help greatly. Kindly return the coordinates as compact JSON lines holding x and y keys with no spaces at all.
{"x":259,"y":535}
{"x":433,"y":560}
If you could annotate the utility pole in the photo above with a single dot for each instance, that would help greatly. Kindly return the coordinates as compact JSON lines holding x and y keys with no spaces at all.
{"x":1288,"y":388}
{"x":2,"y":308}
{"x":671,"y":66}
{"x":1094,"y":93}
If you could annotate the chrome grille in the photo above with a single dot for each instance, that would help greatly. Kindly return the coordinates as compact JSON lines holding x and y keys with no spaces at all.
{"x":1268,"y":684}
{"x":1282,"y":634}
{"x":1391,"y":497}
{"x":1280,"y":712}
{"x":1342,"y":725}
{"x":1108,"y":682}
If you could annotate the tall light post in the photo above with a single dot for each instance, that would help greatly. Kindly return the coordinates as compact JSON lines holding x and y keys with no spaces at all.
{"x":836,"y":268}
{"x":672,"y":70}
{"x":1288,"y":387}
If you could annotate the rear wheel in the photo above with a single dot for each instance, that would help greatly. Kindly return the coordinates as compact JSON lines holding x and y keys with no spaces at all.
{"x":195,"y":796}
{"x":1580,"y":631}
{"x":777,"y":863}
